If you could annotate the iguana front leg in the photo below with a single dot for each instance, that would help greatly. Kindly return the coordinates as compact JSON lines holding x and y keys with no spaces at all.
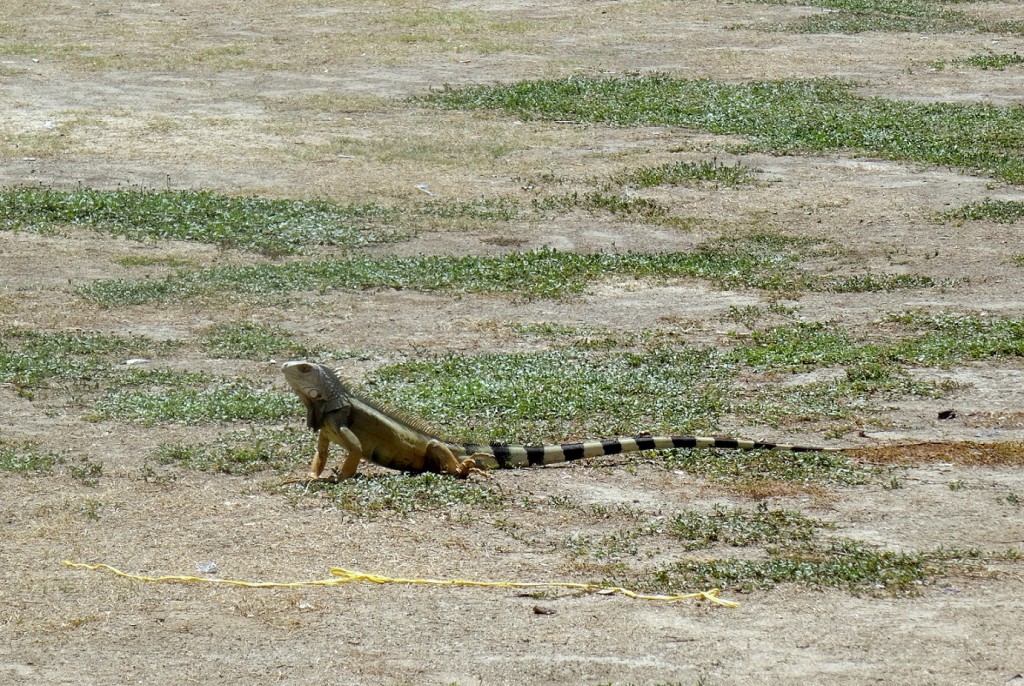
{"x":344,"y":437}
{"x":351,"y":444}
{"x":323,"y":451}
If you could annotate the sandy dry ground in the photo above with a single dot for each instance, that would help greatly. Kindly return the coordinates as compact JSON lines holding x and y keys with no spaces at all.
{"x":307,"y":99}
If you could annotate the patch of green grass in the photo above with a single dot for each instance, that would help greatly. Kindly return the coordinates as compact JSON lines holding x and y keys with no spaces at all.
{"x":908,"y":16}
{"x":253,"y":341}
{"x":850,"y":396}
{"x":559,"y":394}
{"x":241,"y":452}
{"x":580,"y":338}
{"x":948,"y":338}
{"x":556,"y":331}
{"x":502,"y":208}
{"x":865,"y":371}
{"x":693,"y":530}
{"x":87,"y":472}
{"x":760,"y":466}
{"x":541,"y":273}
{"x":244,"y":223}
{"x":852,"y":22}
{"x":25,"y":457}
{"x":869,"y":371}
{"x":687,"y":173}
{"x":862,"y":373}
{"x":778,"y":116}
{"x":993,"y":61}
{"x":871,"y":283}
{"x":935,"y":340}
{"x":749,"y":315}
{"x":1001,"y":211}
{"x":737,"y":527}
{"x":609,"y":547}
{"x":226,"y":401}
{"x":761,"y":260}
{"x":460,"y":21}
{"x":799,"y":346}
{"x":404,"y":495}
{"x":844,"y":563}
{"x":29,"y":358}
{"x":597,"y":201}
{"x":153,"y":261}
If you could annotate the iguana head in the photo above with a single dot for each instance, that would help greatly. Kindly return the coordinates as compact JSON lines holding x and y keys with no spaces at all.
{"x":317,"y":387}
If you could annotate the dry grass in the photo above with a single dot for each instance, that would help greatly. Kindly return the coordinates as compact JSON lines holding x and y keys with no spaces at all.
{"x":1007,"y":454}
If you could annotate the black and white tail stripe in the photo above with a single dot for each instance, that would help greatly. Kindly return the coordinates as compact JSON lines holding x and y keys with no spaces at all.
{"x":515,"y":456}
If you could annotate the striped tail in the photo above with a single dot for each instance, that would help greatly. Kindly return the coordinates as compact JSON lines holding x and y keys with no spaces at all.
{"x":514,"y":456}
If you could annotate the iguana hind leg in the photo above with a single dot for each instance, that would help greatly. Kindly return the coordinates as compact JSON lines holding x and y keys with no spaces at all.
{"x":439,"y":458}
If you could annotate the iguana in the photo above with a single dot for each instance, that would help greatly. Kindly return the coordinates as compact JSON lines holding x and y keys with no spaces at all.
{"x":367,"y":429}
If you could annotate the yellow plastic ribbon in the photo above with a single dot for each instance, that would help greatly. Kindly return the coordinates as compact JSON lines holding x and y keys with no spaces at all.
{"x":345,"y":576}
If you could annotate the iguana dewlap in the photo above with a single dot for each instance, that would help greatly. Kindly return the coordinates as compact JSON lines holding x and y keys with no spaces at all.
{"x":366,"y":429}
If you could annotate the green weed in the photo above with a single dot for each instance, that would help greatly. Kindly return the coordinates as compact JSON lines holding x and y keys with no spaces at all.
{"x":687,"y":173}
{"x":153,"y":261}
{"x":800,"y":346}
{"x":991,"y":61}
{"x":778,"y":116}
{"x":513,"y":397}
{"x":844,"y":563}
{"x":253,"y":341}
{"x":580,"y":338}
{"x":907,"y":16}
{"x":87,"y":472}
{"x":737,"y":527}
{"x":865,"y":371}
{"x":947,"y":338}
{"x":403,"y":495}
{"x":751,"y":467}
{"x":936,"y":339}
{"x":25,"y":457}
{"x":91,"y":509}
{"x":244,"y":223}
{"x":241,"y":452}
{"x":854,"y":394}
{"x":29,"y":358}
{"x":693,"y":530}
{"x":487,"y":209}
{"x":597,"y":201}
{"x":610,"y":547}
{"x":1001,"y":211}
{"x":762,"y":260}
{"x":226,"y":401}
